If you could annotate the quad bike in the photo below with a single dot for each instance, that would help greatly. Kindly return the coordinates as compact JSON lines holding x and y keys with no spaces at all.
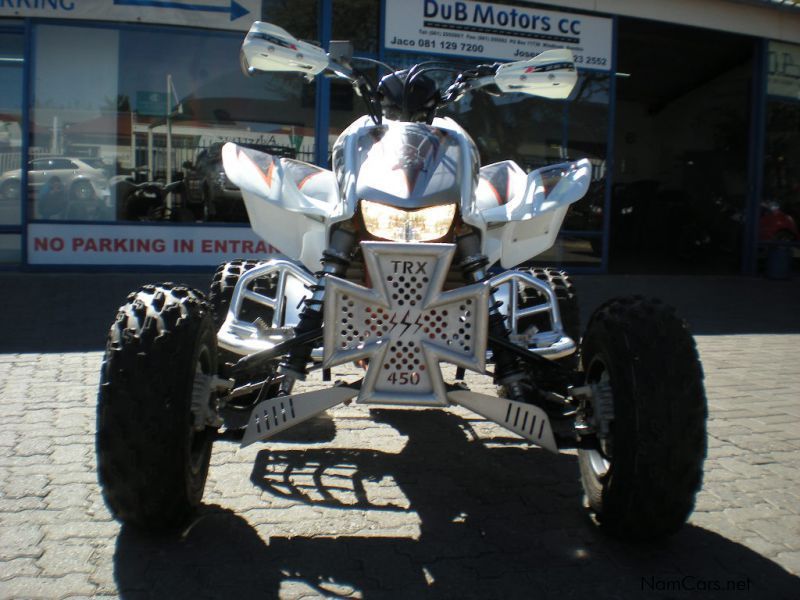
{"x":386,"y":263}
{"x":150,"y":201}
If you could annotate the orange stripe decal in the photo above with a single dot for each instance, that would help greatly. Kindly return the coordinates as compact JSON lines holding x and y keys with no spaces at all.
{"x":268,"y":175}
{"x":306,"y":178}
{"x":494,"y":190}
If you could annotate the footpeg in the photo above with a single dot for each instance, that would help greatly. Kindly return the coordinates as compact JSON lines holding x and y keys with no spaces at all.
{"x":282,"y":412}
{"x":526,"y":420}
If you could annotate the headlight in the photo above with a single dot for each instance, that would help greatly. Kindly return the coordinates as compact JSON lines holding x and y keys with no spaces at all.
{"x":400,"y":225}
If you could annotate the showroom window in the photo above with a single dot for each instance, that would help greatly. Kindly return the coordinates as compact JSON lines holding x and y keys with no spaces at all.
{"x":781,"y":191}
{"x":128,"y":104}
{"x":359,"y":22}
{"x":11,"y":97}
{"x":298,"y":17}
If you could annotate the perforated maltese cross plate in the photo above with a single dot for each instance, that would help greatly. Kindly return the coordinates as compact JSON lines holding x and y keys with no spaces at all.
{"x":405,"y":325}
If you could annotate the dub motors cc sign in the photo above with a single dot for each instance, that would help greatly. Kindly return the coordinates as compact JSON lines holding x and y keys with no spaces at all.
{"x":483,"y":30}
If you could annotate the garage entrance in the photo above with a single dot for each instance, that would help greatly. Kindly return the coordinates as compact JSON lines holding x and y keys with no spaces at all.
{"x":680,"y":173}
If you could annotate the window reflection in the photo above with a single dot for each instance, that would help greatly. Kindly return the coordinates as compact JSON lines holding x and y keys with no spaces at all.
{"x":357,"y":21}
{"x":299,"y":17}
{"x":11,"y":65}
{"x":125,"y":107}
{"x":781,"y":198}
{"x":587,"y":121}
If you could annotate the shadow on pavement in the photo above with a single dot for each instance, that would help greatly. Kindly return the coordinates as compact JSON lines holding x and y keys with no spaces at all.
{"x":316,"y":430}
{"x":69,"y":312}
{"x":713,"y":305}
{"x":500,"y":522}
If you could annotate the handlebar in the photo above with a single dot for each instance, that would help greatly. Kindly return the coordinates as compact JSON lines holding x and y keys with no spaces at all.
{"x":480,"y":76}
{"x":376,"y":96}
{"x":407,"y":94}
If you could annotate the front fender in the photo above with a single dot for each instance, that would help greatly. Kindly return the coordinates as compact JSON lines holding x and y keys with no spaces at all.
{"x":529,"y":223}
{"x":288,"y":202}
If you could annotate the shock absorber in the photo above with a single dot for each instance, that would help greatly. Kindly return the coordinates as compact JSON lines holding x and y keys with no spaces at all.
{"x":509,"y":370}
{"x":335,"y":260}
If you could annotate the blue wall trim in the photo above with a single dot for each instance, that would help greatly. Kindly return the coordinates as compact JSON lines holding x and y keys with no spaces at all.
{"x":382,"y":31}
{"x":323,"y":98}
{"x":610,"y":146}
{"x":27,"y":103}
{"x":755,"y":159}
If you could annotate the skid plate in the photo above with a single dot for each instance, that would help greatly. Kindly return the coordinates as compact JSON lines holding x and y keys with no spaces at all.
{"x":526,"y":420}
{"x":282,"y":412}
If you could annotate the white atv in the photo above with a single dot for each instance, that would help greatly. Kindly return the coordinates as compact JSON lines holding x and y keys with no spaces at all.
{"x":386,"y":264}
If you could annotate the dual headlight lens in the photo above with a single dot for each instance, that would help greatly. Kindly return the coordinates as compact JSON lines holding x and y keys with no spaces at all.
{"x":398,"y":225}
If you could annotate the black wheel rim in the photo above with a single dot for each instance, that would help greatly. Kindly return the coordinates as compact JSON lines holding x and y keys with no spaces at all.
{"x":199,"y":440}
{"x":599,"y":460}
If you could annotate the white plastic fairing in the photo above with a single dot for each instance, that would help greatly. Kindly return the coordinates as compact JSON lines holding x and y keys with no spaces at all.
{"x":267,"y":47}
{"x":408,"y":165}
{"x":527,"y":222}
{"x":551,"y":74}
{"x":288,"y":201}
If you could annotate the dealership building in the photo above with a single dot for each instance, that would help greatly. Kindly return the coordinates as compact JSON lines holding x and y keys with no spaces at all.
{"x":689,"y":111}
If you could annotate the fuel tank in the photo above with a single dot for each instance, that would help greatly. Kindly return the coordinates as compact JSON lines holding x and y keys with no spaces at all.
{"x":406,"y":165}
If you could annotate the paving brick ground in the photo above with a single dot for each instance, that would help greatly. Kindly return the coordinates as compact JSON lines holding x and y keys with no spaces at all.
{"x":391,"y":503}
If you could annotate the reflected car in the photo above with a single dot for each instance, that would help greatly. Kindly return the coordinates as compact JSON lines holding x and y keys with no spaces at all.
{"x":82,"y":179}
{"x":207,"y":190}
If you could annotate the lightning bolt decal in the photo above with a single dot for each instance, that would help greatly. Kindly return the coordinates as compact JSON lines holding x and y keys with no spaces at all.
{"x":403,"y":321}
{"x":418,"y":322}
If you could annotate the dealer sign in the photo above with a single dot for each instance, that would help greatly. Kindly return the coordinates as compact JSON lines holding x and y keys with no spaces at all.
{"x":482,"y":30}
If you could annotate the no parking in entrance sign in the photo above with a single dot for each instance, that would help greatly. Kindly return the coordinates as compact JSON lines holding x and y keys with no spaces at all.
{"x":151,"y":245}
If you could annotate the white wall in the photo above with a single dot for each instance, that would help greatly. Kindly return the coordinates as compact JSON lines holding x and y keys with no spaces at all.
{"x":723,"y":15}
